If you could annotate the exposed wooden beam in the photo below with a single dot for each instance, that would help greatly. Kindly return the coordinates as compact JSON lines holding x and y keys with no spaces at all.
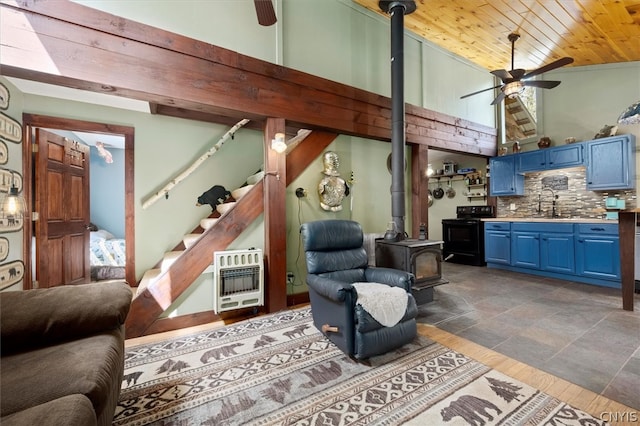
{"x":121,"y":57}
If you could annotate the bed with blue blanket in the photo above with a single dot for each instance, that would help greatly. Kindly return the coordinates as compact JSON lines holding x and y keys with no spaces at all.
{"x":108,"y":256}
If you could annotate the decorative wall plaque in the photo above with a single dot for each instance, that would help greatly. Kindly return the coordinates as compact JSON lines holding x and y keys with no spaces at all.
{"x":4,"y":248}
{"x":4,"y":96}
{"x":11,"y":273}
{"x":9,"y":178}
{"x":557,"y":182}
{"x":10,"y":129}
{"x":4,"y":153}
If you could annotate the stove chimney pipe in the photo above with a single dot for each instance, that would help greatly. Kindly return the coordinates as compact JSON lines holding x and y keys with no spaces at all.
{"x":397,"y":9}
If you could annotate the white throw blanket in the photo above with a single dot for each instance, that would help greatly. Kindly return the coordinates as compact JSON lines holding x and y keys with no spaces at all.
{"x":386,"y":304}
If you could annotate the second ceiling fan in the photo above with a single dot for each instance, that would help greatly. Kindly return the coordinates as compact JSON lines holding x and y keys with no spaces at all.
{"x":514,"y":81}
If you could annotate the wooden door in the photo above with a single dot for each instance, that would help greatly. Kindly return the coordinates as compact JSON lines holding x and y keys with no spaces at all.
{"x":62,"y":203}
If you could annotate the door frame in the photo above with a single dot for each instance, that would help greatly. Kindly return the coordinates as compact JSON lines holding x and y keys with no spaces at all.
{"x":32,"y":121}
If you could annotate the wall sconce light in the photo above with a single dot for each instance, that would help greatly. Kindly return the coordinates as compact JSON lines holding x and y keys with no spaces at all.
{"x":429,"y":170}
{"x":512,"y":89}
{"x":278,"y":144}
{"x":631,"y":115}
{"x":13,"y":203}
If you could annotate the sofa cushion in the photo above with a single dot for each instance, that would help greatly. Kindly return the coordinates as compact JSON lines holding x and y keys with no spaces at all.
{"x":91,"y":366}
{"x":40,"y":317}
{"x":71,"y":410}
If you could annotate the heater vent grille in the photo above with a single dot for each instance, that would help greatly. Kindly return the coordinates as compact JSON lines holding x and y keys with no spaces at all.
{"x":238,"y":279}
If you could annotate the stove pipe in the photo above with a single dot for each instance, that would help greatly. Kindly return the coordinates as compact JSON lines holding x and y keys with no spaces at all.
{"x":397,"y":9}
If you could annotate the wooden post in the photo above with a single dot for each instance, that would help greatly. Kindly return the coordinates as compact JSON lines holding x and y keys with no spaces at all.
{"x":419,"y":188}
{"x":627,"y":233}
{"x":275,"y":225}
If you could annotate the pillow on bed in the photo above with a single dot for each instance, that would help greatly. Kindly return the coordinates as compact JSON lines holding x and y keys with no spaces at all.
{"x":101,"y":234}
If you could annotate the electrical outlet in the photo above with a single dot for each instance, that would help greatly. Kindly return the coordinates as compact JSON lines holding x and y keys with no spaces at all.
{"x":290,"y":277}
{"x":301,"y":192}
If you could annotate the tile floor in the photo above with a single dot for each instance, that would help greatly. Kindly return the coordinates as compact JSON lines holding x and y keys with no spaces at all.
{"x":578,"y":332}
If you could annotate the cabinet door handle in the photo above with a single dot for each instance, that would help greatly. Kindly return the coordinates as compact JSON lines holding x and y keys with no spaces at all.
{"x":597,"y":229}
{"x":580,"y":240}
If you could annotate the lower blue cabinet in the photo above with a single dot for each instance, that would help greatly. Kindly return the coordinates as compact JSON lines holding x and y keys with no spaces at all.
{"x":584,"y":252}
{"x":497,"y":241}
{"x":598,"y":251}
{"x":525,"y":249}
{"x":557,"y":252}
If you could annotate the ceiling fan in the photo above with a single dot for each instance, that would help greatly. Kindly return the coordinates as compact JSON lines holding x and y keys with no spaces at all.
{"x":266,"y":13}
{"x":514,"y":81}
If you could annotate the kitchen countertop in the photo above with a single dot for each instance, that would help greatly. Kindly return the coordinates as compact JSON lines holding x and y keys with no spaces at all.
{"x":547,"y":219}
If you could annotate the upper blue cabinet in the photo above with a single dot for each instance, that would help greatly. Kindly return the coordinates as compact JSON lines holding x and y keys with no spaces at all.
{"x":611,"y":163}
{"x":504,"y":179}
{"x":550,"y":158}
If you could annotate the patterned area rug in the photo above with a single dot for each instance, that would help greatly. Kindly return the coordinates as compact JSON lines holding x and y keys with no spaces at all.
{"x":279,"y":370}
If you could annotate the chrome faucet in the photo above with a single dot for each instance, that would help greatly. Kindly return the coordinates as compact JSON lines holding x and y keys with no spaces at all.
{"x":554,"y":197}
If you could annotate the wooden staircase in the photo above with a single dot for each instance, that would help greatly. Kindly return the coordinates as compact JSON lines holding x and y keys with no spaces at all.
{"x":162,"y":285}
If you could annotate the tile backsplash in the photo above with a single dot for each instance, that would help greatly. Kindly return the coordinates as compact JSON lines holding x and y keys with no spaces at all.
{"x":574,"y":200}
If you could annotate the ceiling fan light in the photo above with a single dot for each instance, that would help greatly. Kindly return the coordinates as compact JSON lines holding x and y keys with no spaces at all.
{"x":513,"y":89}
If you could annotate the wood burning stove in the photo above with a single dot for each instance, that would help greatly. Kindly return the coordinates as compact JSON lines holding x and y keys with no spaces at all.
{"x":423,"y":258}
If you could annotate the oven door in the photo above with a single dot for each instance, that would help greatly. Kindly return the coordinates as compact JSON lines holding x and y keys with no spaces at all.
{"x":462,"y":237}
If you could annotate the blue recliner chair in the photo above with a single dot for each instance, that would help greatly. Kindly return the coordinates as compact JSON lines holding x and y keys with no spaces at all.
{"x":336,"y":259}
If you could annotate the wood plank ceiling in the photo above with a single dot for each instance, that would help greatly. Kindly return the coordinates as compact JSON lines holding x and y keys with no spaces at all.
{"x":590,"y":31}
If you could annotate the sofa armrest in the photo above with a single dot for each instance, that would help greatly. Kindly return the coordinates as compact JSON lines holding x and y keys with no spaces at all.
{"x":40,"y":317}
{"x":393,"y":277}
{"x":331,"y":289}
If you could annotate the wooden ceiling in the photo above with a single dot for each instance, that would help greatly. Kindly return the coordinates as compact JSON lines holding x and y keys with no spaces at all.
{"x":590,"y":31}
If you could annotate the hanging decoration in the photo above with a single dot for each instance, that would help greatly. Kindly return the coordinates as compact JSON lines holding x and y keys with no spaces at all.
{"x":103,"y":153}
{"x":164,"y":192}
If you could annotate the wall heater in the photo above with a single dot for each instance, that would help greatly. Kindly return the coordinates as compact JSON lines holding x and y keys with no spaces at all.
{"x":238,"y":279}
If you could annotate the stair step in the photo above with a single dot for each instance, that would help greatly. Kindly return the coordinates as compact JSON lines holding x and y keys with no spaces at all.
{"x":150,"y":276}
{"x":168,"y":259}
{"x":190,"y":239}
{"x":208,"y":222}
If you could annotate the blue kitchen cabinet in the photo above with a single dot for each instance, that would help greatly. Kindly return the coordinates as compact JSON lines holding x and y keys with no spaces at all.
{"x":504,"y":179}
{"x":565,"y":156}
{"x":550,"y":158}
{"x":611,"y":163}
{"x":531,"y":161}
{"x":497,"y":242}
{"x":598,"y":252}
{"x":583,"y":252}
{"x":525,"y":249}
{"x":557,"y":252}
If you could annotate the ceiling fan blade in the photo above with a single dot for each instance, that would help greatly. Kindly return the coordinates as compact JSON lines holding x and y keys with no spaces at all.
{"x":517,"y":73}
{"x":502,"y":75}
{"x":480,"y":91}
{"x":541,"y":83}
{"x":266,"y":13}
{"x":498,"y":98}
{"x":551,"y":66}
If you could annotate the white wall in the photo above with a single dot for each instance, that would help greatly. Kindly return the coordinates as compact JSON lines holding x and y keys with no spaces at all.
{"x":588,"y":98}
